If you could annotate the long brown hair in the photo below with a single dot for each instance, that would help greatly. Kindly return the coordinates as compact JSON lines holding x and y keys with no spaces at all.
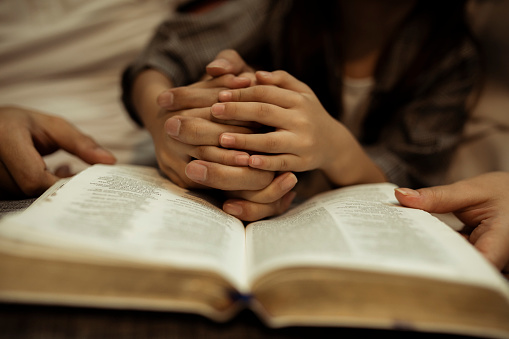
{"x":309,"y":25}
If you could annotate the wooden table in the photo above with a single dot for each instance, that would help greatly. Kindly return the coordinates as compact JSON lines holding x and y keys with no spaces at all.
{"x":32,"y":321}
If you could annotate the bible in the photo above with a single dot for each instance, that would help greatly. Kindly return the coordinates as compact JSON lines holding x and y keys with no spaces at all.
{"x":123,"y":236}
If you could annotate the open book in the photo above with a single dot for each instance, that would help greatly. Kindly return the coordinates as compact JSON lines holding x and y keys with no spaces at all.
{"x":124,"y":237}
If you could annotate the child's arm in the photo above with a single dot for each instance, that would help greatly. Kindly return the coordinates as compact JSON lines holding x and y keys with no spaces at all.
{"x":305,"y":136}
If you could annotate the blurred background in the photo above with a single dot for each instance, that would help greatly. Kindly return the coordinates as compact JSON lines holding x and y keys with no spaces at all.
{"x":486,"y":137}
{"x":65,"y":57}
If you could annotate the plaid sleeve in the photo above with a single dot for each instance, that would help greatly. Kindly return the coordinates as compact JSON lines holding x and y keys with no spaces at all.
{"x":186,"y":42}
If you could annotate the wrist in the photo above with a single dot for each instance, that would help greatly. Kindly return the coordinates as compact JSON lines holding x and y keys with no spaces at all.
{"x":146,"y":88}
{"x":349,"y":164}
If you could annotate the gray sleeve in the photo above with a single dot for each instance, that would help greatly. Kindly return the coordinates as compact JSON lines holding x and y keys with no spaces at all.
{"x":186,"y":42}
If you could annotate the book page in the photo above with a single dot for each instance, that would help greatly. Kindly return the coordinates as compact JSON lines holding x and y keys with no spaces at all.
{"x":362,"y":227}
{"x":132,"y":213}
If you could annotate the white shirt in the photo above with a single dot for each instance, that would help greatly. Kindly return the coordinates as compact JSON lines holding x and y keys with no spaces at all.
{"x":355,"y":102}
{"x":65,"y":57}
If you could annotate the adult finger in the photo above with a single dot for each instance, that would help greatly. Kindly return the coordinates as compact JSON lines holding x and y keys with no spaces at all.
{"x":273,"y":142}
{"x":437,"y":199}
{"x":251,"y":211}
{"x":24,"y":170}
{"x":220,"y":155}
{"x":26,"y":179}
{"x":279,"y":187}
{"x":227,"y":178}
{"x":197,"y":131}
{"x":266,"y":94}
{"x":31,"y":184}
{"x":8,"y":187}
{"x":282,"y":79}
{"x":226,"y":81}
{"x":491,"y":238}
{"x":175,"y":171}
{"x":227,"y":62}
{"x":202,"y":94}
{"x":260,"y":112}
{"x":61,"y":133}
{"x":277,"y":162}
{"x":64,"y":171}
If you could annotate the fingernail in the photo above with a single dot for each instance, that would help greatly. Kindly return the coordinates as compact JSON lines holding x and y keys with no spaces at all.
{"x":196,"y":172}
{"x":242,"y":160}
{"x":255,"y":161}
{"x":288,"y":183}
{"x":242,"y":79}
{"x":172,"y":126}
{"x":219,"y":63}
{"x":105,"y":154}
{"x":264,"y":74}
{"x":408,"y":192}
{"x":227,"y":140}
{"x":165,"y":99}
{"x":217,"y":109}
{"x":233,"y":209}
{"x":225,"y":95}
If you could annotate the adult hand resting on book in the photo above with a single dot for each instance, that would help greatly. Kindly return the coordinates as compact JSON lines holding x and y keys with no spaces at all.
{"x":187,"y":140}
{"x":480,"y":202}
{"x":26,"y":136}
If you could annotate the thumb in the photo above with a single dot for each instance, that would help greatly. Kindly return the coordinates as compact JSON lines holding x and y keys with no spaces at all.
{"x":437,"y":199}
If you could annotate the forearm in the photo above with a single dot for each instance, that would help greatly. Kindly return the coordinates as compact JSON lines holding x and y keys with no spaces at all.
{"x":364,"y":171}
{"x":350,"y":164}
{"x":146,"y":87}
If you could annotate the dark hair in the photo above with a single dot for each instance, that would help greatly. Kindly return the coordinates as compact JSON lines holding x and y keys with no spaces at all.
{"x":309,"y":25}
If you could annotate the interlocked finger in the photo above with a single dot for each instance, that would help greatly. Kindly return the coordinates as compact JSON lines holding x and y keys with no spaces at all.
{"x":227,"y":178}
{"x":202,"y":94}
{"x":198,"y":131}
{"x":279,"y":187}
{"x":221,"y":155}
{"x":252,"y":211}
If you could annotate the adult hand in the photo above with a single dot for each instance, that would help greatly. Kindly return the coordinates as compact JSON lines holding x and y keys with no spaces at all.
{"x":26,"y":136}
{"x":481,"y":203}
{"x":185,"y":132}
{"x":247,"y":201}
{"x":273,"y":200}
{"x":230,"y":62}
{"x":228,"y":66}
